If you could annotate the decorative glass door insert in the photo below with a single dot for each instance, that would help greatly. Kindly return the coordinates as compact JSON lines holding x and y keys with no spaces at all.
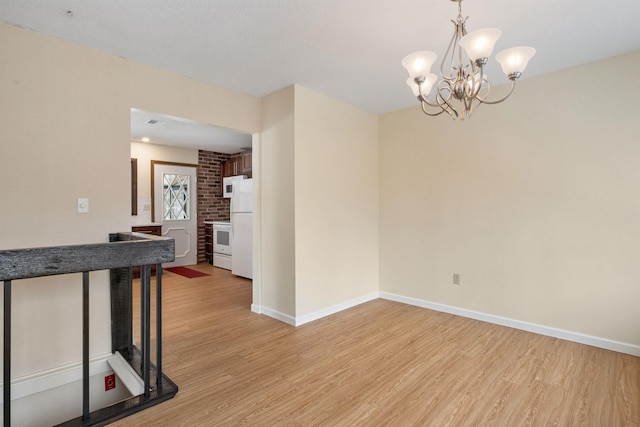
{"x":175,"y":196}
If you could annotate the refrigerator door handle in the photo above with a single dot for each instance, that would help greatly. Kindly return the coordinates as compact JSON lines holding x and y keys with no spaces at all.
{"x":231,"y":233}
{"x":231,"y":211}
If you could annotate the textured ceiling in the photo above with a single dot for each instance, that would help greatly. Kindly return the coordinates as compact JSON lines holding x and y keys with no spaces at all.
{"x":347,"y":49}
{"x":178,"y":132}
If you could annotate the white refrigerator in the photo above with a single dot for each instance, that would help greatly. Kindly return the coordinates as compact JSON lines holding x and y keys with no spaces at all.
{"x":242,"y":229}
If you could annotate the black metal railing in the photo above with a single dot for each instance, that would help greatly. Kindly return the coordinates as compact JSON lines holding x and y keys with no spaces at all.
{"x":120,"y":254}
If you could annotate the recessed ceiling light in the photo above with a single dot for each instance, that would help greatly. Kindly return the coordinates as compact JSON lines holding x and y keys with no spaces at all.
{"x":145,"y":139}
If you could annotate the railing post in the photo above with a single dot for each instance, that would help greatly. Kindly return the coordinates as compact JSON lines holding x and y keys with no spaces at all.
{"x":129,"y":321}
{"x":6,"y":378}
{"x":159,"y":326}
{"x":145,"y":313}
{"x":85,"y":345}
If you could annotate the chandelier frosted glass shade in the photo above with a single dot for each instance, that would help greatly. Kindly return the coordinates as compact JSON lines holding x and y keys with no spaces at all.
{"x":424,"y":88}
{"x":418,"y":64}
{"x":462,"y":84}
{"x":479,"y":44}
{"x":515,"y":60}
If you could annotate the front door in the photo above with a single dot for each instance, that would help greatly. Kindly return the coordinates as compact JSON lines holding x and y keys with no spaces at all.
{"x":175,"y":207}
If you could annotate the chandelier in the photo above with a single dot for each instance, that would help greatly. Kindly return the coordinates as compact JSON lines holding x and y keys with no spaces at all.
{"x":462,"y":80}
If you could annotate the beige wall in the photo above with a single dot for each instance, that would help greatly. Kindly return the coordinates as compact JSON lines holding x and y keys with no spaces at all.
{"x":319,"y":201}
{"x":277,"y":218}
{"x":336,"y":202}
{"x":65,"y":134}
{"x":534,"y":202}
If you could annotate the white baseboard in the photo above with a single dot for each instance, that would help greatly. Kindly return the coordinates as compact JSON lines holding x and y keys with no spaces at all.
{"x":289,"y":320}
{"x":46,"y":380}
{"x":604,"y":343}
{"x":301,"y":320}
{"x":335,"y":309}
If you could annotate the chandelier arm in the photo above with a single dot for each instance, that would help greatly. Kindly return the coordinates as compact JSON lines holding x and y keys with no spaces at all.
{"x":458,"y":34}
{"x":483,"y":101}
{"x":436,"y":105}
{"x":452,"y":43}
{"x":445,"y":105}
{"x":476,"y":84}
{"x":424,"y":110}
{"x":466,"y":112}
{"x":472,"y":107}
{"x":440,"y":102}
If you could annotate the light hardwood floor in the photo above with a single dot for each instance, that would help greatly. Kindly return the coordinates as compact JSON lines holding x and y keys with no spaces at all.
{"x":379,"y":364}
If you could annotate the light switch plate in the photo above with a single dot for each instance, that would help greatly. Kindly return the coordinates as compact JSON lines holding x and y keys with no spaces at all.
{"x":83,"y":205}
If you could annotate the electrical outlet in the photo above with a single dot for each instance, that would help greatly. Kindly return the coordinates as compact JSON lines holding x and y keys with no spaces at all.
{"x":456,"y":278}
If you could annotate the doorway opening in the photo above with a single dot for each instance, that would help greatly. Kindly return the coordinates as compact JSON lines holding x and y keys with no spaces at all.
{"x":169,"y":139}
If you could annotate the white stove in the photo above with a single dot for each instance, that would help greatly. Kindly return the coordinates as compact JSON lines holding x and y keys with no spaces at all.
{"x":222,"y":244}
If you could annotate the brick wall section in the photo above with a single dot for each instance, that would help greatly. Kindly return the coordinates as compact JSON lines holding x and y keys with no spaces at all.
{"x":211,"y":205}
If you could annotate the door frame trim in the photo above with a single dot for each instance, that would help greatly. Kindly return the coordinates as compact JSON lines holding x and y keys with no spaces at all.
{"x":162,"y":162}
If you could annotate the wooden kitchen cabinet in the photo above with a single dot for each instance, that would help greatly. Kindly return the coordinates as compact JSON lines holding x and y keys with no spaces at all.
{"x":244,"y":164}
{"x":238,"y":165}
{"x":227,"y":168}
{"x":155,"y":230}
{"x":208,"y":242}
